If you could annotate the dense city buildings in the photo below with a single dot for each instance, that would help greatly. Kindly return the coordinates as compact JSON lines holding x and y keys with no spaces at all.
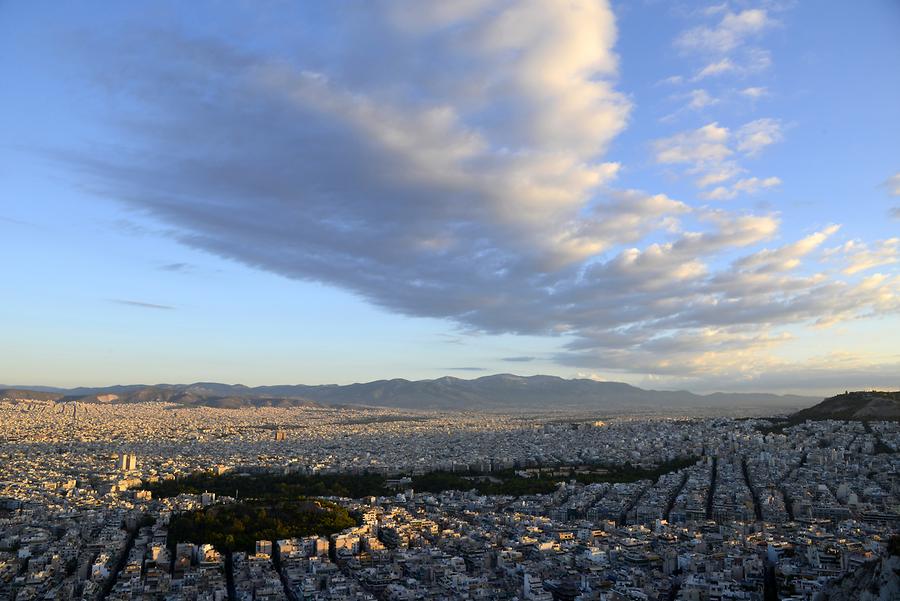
{"x":749,"y":511}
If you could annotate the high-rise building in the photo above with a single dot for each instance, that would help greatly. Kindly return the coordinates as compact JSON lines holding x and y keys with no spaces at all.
{"x":264,"y":547}
{"x":128,"y":462}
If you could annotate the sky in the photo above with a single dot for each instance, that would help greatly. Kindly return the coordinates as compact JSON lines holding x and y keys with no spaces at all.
{"x":672,"y":194}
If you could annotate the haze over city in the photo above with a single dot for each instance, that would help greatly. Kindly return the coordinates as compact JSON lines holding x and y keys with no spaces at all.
{"x":673,"y":195}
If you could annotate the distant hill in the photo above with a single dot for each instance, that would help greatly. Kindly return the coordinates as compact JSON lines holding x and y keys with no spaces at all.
{"x":20,"y":394}
{"x":860,"y":405}
{"x":497,"y":392}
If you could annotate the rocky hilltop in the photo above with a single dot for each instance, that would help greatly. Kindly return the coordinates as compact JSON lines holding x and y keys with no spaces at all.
{"x":861,"y":405}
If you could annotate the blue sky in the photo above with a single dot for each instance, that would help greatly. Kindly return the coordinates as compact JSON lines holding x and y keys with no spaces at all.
{"x":676,"y":195}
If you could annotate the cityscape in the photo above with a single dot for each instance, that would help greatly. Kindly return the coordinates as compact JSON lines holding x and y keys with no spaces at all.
{"x":438,"y":300}
{"x":627,"y":507}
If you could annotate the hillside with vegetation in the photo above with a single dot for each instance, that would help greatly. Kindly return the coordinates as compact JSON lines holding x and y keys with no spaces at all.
{"x":863,"y":405}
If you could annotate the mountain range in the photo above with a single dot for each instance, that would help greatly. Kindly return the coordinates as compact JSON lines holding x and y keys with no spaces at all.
{"x":500,"y":392}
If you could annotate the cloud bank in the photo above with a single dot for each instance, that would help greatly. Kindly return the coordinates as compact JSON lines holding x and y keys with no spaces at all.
{"x":451,"y":162}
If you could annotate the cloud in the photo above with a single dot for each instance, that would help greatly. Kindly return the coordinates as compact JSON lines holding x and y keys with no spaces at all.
{"x":756,"y":135}
{"x":724,"y":65}
{"x":893,"y":184}
{"x":175,"y":267}
{"x":786,"y":257}
{"x":715,"y":9}
{"x":478,"y":192}
{"x":720,"y":172}
{"x":710,"y":152}
{"x":522,"y":359}
{"x":16,"y":221}
{"x":730,"y":32}
{"x":860,"y":256}
{"x":708,"y":144}
{"x":464,"y":368}
{"x":749,"y":185}
{"x":755,"y":60}
{"x":707,"y":324}
{"x":735,"y":316}
{"x":828,"y":374}
{"x":742,"y":64}
{"x":674,"y":80}
{"x":141,"y":304}
{"x":755,"y":92}
{"x":725,"y":47}
{"x":700,"y":99}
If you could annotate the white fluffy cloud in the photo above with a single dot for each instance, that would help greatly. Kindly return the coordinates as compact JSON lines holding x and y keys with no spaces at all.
{"x":789,"y":256}
{"x":859,"y":256}
{"x":710,"y":152}
{"x":707,"y":144}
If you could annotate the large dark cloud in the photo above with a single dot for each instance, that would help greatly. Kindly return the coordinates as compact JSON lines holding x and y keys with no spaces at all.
{"x":448,"y":163}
